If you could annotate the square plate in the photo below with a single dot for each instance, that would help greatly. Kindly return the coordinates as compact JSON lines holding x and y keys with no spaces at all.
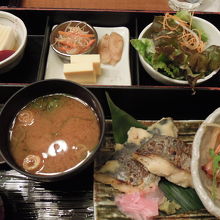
{"x":118,"y":74}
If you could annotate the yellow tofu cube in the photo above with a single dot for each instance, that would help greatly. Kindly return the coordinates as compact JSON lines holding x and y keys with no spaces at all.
{"x":79,"y":72}
{"x":88,"y":58}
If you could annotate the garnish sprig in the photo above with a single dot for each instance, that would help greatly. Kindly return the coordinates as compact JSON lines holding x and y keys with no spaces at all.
{"x":215,"y":170}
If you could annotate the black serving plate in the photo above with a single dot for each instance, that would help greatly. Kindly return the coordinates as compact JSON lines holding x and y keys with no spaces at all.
{"x":145,"y":99}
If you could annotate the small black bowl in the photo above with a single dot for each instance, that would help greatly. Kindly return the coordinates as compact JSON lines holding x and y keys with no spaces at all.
{"x":33,"y":91}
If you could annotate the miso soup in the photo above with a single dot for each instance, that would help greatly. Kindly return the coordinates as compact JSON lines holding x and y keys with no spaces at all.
{"x":53,"y":134}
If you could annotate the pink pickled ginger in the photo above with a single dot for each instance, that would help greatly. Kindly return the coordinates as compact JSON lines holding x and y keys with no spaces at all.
{"x":140,"y":205}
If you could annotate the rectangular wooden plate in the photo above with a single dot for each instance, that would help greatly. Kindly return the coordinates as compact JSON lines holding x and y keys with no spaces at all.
{"x":103,"y":195}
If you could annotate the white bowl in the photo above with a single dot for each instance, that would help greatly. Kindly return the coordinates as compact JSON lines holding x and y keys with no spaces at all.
{"x":206,"y":137}
{"x":20,"y":30}
{"x":213,"y":39}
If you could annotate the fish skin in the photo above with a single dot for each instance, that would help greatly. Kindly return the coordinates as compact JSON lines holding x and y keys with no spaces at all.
{"x":165,"y":126}
{"x":130,"y":170}
{"x":131,"y":174}
{"x":170,"y":148}
{"x":168,"y":157}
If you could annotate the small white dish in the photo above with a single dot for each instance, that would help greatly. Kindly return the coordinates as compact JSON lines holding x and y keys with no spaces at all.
{"x":118,"y":74}
{"x":213,"y":39}
{"x":207,"y":136}
{"x":20,"y":31}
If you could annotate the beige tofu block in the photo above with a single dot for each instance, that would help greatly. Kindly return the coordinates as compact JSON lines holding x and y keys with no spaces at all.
{"x":79,"y":72}
{"x":7,"y":38}
{"x":93,"y":58}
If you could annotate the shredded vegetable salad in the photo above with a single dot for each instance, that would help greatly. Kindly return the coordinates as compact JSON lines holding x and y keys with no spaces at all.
{"x":74,"y":39}
{"x":176,"y":46}
{"x":188,"y":37}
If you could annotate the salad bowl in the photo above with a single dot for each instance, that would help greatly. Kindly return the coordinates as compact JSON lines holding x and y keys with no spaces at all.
{"x":213,"y":36}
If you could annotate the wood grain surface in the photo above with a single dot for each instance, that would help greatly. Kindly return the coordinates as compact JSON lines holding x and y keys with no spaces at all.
{"x":103,"y":195}
{"x":97,"y":4}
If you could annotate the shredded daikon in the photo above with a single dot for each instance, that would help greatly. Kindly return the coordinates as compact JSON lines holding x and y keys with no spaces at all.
{"x":74,"y":39}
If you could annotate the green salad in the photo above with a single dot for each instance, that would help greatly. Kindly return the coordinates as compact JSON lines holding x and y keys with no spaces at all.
{"x":176,"y":46}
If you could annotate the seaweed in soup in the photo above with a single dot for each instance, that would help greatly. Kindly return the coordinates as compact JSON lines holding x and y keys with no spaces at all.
{"x":53,"y":134}
{"x":47,"y":103}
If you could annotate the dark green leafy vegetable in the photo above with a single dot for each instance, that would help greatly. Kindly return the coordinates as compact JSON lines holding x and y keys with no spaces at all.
{"x":213,"y":54}
{"x":121,"y":122}
{"x":46,"y":103}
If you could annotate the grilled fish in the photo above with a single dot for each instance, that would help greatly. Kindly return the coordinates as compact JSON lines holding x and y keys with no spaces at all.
{"x":168,"y":157}
{"x":165,"y":126}
{"x":124,"y":172}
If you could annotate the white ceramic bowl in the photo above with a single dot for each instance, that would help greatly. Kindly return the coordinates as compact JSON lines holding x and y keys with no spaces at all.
{"x":213,"y":39}
{"x":206,"y":137}
{"x":20,"y":30}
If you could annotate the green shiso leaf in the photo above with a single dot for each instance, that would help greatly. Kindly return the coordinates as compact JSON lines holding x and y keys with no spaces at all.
{"x":121,"y":122}
{"x":185,"y":197}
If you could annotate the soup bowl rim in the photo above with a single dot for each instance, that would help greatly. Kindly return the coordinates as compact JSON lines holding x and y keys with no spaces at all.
{"x":80,"y":166}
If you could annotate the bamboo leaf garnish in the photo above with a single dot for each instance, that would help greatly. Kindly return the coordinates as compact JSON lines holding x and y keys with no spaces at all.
{"x":187,"y":198}
{"x":121,"y":122}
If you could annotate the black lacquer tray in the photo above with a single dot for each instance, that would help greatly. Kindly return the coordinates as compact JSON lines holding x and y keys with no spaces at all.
{"x":40,"y":22}
{"x":145,"y":99}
